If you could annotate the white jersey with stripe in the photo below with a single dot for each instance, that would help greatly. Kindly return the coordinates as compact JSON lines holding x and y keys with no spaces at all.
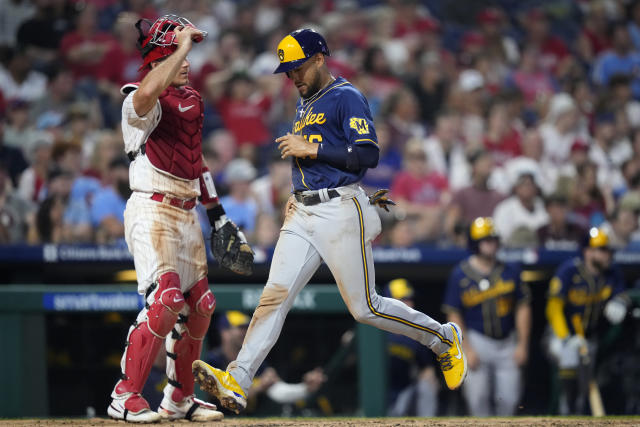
{"x":143,"y":176}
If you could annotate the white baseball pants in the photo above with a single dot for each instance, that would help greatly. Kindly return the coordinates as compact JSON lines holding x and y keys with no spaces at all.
{"x":164,"y":238}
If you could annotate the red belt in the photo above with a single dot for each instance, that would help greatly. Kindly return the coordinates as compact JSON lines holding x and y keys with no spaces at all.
{"x":174,"y":201}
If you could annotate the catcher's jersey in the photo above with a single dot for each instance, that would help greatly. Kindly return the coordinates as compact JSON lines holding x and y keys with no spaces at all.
{"x":486,"y":303}
{"x":143,"y":176}
{"x":583,"y":294}
{"x":338,"y":115}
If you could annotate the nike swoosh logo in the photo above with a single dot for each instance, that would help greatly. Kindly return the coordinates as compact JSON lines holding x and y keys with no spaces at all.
{"x":459,"y":355}
{"x":183,"y":109}
{"x":212,"y":304}
{"x":178,"y":299}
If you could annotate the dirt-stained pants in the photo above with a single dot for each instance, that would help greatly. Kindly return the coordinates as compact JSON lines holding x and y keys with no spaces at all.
{"x":338,"y":231}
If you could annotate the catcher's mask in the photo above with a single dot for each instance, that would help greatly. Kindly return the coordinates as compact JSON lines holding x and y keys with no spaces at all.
{"x":160,"y":40}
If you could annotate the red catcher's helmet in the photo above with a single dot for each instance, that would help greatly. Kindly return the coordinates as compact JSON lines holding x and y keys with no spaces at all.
{"x":159,"y":41}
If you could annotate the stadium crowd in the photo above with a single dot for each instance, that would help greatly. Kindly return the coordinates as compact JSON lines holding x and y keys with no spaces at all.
{"x":525,"y":111}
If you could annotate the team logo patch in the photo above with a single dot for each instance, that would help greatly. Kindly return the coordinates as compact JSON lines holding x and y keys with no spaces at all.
{"x":360,"y":125}
{"x":281,"y":54}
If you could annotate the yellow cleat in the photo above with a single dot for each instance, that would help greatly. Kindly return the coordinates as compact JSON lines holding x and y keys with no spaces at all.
{"x":453,"y":362}
{"x":221,"y":385}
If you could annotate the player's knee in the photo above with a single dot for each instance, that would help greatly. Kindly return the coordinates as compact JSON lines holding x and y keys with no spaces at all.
{"x":202,"y":303}
{"x":167,"y":303}
{"x":169,"y":293}
{"x":362,"y":315}
{"x":201,"y":299}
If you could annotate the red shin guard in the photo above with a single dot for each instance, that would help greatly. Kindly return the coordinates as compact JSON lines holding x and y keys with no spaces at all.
{"x":186,"y":345}
{"x":139,"y":355}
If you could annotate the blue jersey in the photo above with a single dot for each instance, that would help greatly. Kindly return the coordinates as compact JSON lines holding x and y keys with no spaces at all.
{"x":584,"y":295}
{"x":338,"y":115}
{"x":486,"y":303}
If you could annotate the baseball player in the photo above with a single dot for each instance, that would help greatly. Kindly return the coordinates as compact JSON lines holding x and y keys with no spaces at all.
{"x":582,"y":289}
{"x":328,"y":218}
{"x":162,"y":130}
{"x":490,"y":300}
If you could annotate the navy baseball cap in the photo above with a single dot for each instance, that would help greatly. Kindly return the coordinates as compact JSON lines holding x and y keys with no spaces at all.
{"x":297,"y":47}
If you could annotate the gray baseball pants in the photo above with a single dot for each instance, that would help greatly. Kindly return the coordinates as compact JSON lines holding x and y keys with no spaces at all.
{"x":338,"y":231}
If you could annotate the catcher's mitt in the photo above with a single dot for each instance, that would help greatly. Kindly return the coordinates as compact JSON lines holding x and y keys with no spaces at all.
{"x":381,"y":199}
{"x":231,"y":250}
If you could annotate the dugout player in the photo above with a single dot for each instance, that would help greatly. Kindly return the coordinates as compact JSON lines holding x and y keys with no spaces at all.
{"x":413,"y":384}
{"x":580,"y":292}
{"x":489,"y":299}
{"x":162,"y":129}
{"x":328,"y":218}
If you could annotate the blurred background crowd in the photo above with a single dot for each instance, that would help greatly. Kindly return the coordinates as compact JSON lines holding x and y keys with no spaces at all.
{"x":527,"y":111}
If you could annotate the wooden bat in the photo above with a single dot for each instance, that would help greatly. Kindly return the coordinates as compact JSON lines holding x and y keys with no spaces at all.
{"x":595,"y":400}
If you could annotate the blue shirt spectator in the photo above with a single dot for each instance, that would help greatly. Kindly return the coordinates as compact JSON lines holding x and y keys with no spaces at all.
{"x":107,"y":202}
{"x":621,"y":59}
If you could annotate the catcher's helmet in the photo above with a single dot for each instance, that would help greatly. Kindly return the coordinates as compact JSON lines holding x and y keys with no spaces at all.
{"x":595,"y":238}
{"x":481,"y":228}
{"x":160,"y":41}
{"x":297,"y":47}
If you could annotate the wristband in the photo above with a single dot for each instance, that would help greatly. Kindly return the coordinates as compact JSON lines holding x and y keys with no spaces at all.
{"x":215,"y":214}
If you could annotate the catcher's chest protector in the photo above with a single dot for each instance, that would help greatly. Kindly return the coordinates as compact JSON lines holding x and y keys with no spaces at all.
{"x":175,"y":144}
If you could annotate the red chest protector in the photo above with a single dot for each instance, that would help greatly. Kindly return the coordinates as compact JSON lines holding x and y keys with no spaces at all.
{"x":175,"y":145}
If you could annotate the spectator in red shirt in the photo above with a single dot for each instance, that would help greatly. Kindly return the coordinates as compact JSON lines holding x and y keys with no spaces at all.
{"x":594,"y":38}
{"x":534,"y":82}
{"x":85,"y":49}
{"x":123,"y":59}
{"x":554,"y":54}
{"x":501,"y":139}
{"x":244,"y":111}
{"x":420,"y":192}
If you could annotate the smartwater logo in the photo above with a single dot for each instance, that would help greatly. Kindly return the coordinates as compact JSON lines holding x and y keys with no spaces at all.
{"x":97,"y":301}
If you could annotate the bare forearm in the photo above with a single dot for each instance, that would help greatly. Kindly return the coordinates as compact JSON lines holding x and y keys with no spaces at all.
{"x":157,"y":80}
{"x":523,"y":323}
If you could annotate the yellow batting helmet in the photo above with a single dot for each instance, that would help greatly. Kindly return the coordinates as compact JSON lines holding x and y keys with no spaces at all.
{"x":596,"y":238}
{"x":481,"y":228}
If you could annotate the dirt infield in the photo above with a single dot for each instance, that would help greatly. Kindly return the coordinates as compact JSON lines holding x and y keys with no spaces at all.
{"x":350,"y":422}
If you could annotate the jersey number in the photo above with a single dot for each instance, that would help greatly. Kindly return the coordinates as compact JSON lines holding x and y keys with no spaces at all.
{"x":313,"y":138}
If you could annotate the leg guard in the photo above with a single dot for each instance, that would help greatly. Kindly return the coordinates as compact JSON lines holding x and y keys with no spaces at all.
{"x":185,"y":342}
{"x":164,"y":301}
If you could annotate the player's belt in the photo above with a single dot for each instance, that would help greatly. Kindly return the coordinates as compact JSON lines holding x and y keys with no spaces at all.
{"x":186,"y":204}
{"x":309,"y":198}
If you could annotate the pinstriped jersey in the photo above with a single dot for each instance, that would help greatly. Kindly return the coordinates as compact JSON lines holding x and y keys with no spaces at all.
{"x":338,"y":115}
{"x":486,"y":303}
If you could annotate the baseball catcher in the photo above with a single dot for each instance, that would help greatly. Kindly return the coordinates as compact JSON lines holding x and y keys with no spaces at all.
{"x":162,"y":129}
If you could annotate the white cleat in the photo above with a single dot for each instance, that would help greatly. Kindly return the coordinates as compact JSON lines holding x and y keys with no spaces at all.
{"x":190,"y":408}
{"x":132,"y":408}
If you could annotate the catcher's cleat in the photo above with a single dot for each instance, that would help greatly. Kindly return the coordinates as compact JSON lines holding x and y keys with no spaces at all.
{"x":221,"y":385}
{"x":190,"y":408}
{"x":453,"y":362}
{"x":131,"y":407}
